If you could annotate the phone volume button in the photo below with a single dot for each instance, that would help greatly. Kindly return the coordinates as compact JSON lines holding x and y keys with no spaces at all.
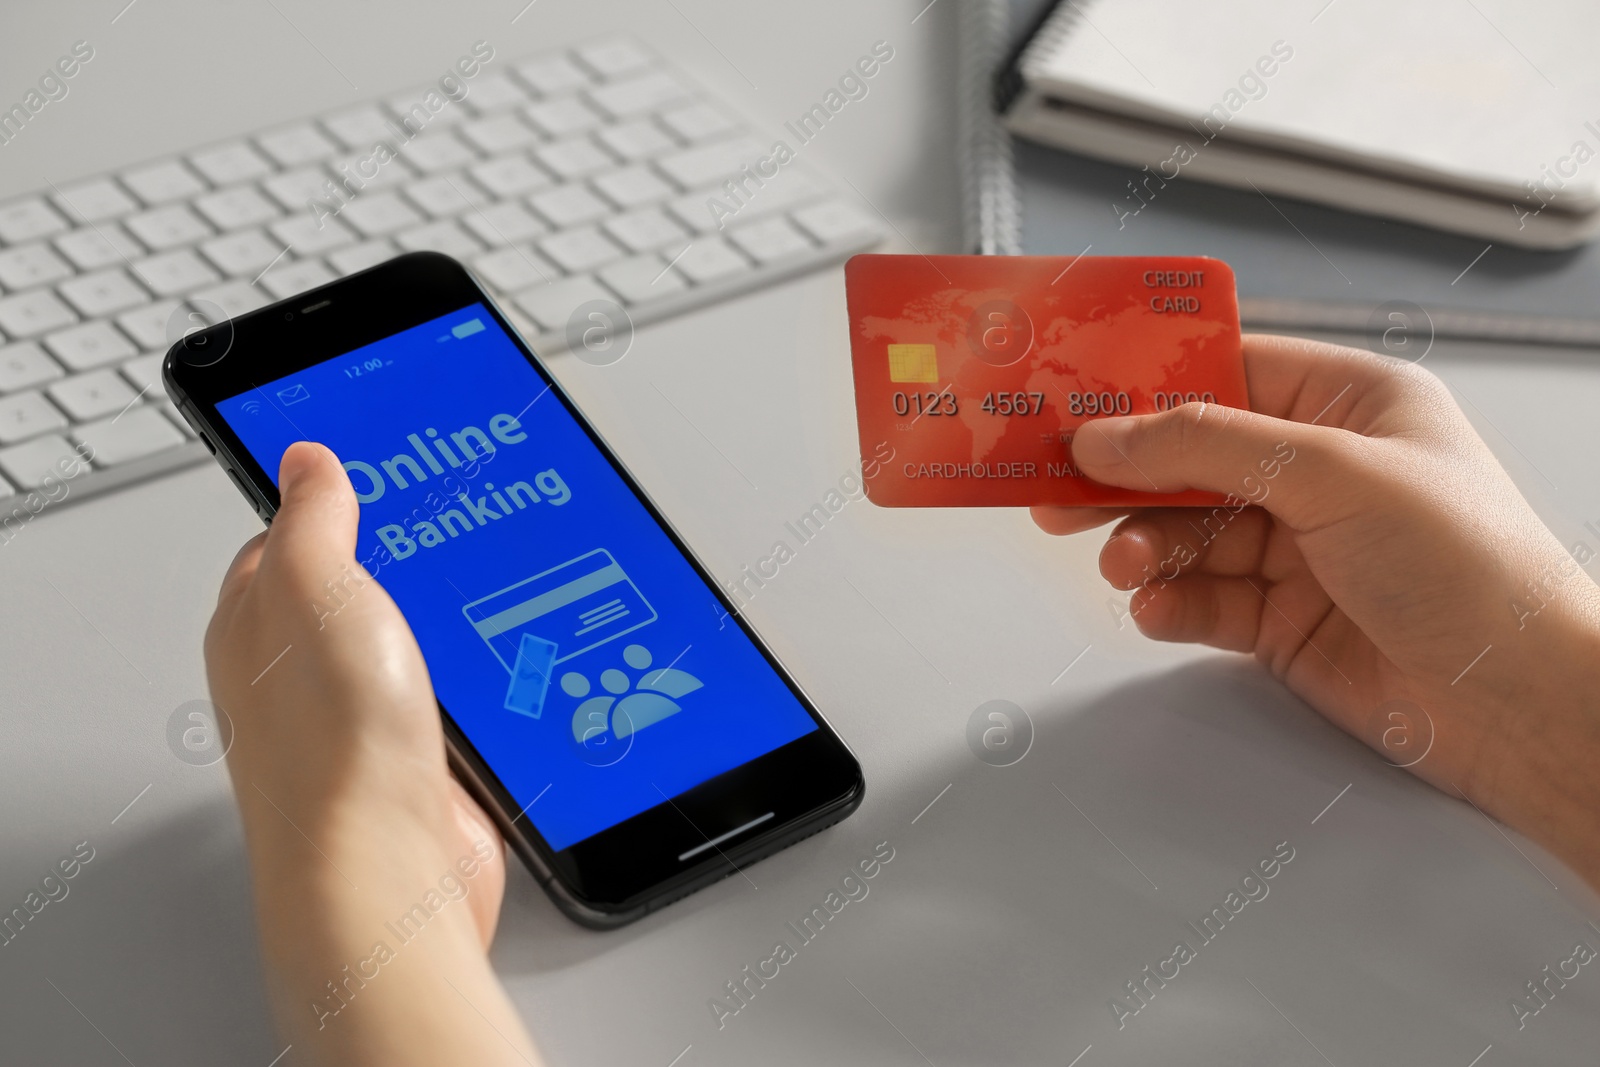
{"x":194,"y":424}
{"x":243,"y":488}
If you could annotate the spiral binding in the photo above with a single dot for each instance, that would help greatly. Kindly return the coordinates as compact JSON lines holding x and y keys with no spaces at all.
{"x":1047,"y":37}
{"x":992,"y":214}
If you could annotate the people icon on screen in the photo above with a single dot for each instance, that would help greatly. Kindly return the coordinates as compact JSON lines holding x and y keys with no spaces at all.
{"x":654,"y":697}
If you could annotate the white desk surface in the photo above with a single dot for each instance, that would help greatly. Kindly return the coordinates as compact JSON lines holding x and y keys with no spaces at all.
{"x":1007,"y":920}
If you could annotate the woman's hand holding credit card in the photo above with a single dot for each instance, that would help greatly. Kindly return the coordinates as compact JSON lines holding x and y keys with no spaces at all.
{"x":1359,"y":538}
{"x":978,"y":370}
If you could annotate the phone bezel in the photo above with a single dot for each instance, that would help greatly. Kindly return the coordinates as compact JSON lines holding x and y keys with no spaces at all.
{"x":629,"y":869}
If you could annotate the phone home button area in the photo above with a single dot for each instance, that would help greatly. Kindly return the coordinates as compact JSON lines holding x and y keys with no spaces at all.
{"x":715,"y":841}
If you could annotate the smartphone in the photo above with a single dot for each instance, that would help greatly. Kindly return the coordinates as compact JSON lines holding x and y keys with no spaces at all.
{"x":631,"y":734}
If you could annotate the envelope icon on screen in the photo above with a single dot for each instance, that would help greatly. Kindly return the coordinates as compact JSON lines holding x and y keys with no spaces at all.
{"x":294,"y":394}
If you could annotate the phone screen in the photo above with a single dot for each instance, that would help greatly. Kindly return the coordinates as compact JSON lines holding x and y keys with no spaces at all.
{"x":585,"y":658}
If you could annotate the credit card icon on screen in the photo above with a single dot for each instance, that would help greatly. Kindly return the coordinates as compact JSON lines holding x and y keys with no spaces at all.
{"x":576,"y":606}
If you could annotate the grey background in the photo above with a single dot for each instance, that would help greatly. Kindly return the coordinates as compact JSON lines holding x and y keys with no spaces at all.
{"x":1007,"y":919}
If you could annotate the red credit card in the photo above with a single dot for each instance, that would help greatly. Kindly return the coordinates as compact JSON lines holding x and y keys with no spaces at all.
{"x":977,"y":370}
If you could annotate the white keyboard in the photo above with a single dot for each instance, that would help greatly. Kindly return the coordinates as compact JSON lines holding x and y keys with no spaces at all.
{"x":562,"y":179}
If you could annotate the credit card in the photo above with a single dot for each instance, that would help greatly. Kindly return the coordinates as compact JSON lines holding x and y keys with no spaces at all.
{"x":977,"y":370}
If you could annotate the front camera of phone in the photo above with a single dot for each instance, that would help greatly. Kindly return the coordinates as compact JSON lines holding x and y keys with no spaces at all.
{"x":288,"y":316}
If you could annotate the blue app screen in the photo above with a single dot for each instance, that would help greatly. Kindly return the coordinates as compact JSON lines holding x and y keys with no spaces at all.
{"x":587,"y":661}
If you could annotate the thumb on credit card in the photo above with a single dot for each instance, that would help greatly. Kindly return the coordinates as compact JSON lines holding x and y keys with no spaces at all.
{"x":1307,"y":475}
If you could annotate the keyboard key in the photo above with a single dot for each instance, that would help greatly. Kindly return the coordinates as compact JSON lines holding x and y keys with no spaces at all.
{"x":51,"y":456}
{"x":790,"y":189}
{"x":148,"y":326}
{"x":297,"y":145}
{"x":167,"y":227}
{"x":363,"y":172}
{"x":89,"y":396}
{"x":711,"y":164}
{"x":647,"y":229}
{"x":446,"y":195}
{"x":89,"y":345}
{"x":132,"y":435}
{"x":144,"y":374}
{"x":835,"y":220}
{"x":98,"y":246}
{"x":376,"y":214}
{"x":502,"y":224}
{"x":491,"y":92}
{"x":443,"y":150}
{"x":308,"y":236}
{"x":698,"y":122}
{"x":231,"y":163}
{"x":244,"y":252}
{"x":642,"y":279}
{"x":711,"y":259}
{"x":30,"y":265}
{"x":511,"y":175}
{"x":24,"y":364}
{"x":499,"y":134}
{"x":175,"y":272}
{"x":635,"y":96}
{"x":563,"y":116}
{"x":575,"y":157}
{"x":287,"y":279}
{"x":95,"y":201}
{"x":25,"y":415}
{"x":235,"y":298}
{"x":444,"y":236}
{"x":361,"y":127}
{"x":612,"y":58}
{"x":552,"y":303}
{"x":696,"y":211}
{"x":234,"y":208}
{"x":27,"y":314}
{"x":412,"y":114}
{"x":361,"y":256}
{"x":769,"y":241}
{"x":633,"y":186}
{"x":162,"y":183}
{"x":510,"y":269}
{"x":636,"y":140}
{"x":580,"y":249}
{"x":103,"y":292}
{"x":294,"y":188}
{"x":569,"y":205}
{"x":28,"y":220}
{"x":551,"y":74}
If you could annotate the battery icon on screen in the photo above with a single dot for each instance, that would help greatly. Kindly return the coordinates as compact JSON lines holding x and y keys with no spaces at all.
{"x":468,"y":328}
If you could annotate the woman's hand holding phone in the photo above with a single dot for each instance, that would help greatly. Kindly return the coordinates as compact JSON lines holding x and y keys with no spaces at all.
{"x":351,"y":818}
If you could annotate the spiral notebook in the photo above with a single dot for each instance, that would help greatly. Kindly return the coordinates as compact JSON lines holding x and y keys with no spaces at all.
{"x":1478,"y":118}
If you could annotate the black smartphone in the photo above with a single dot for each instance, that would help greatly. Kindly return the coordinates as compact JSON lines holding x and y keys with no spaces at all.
{"x":603,"y":699}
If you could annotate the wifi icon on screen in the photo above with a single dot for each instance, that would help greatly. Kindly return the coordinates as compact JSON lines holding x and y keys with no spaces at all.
{"x":251,"y":407}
